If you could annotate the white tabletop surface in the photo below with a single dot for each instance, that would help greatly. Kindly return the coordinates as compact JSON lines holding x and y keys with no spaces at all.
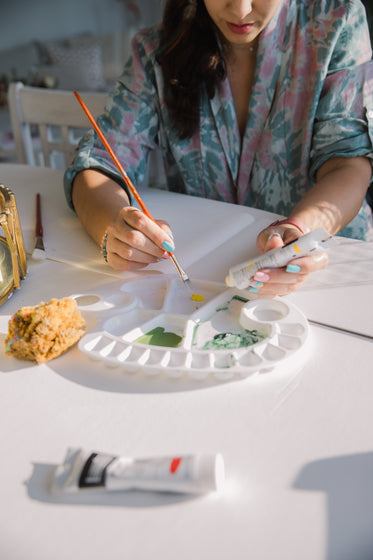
{"x":297,"y":446}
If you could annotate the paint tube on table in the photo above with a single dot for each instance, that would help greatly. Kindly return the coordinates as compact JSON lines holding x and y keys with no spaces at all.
{"x":311,"y":243}
{"x":191,"y":474}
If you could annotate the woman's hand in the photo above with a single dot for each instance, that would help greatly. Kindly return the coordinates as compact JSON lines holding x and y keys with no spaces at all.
{"x":332,"y":203}
{"x":133,"y":240}
{"x":271,"y":282}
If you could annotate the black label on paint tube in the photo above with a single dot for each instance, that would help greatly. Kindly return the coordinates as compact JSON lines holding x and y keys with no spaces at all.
{"x":94,"y":470}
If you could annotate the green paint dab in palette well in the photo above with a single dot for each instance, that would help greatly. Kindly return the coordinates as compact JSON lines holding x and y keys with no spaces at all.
{"x":224,"y":341}
{"x":158,"y":337}
{"x":240,"y":298}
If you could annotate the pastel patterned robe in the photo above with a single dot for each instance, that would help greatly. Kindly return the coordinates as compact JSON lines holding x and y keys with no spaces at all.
{"x":312,"y":99}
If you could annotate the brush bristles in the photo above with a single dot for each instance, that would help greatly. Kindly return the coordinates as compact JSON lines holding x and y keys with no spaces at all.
{"x":38,"y":254}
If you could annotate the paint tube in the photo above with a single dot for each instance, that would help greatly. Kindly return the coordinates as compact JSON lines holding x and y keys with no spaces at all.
{"x":191,"y":474}
{"x":311,"y":243}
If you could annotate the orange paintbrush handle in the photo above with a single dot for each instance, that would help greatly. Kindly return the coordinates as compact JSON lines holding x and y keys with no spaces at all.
{"x":126,"y":179}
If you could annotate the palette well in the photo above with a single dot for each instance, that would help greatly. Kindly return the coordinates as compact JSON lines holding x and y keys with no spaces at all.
{"x":159,"y":327}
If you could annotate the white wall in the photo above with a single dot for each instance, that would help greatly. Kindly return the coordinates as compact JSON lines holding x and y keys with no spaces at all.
{"x":24,"y":20}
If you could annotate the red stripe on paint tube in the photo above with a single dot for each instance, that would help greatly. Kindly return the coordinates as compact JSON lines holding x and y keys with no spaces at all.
{"x":175,"y":463}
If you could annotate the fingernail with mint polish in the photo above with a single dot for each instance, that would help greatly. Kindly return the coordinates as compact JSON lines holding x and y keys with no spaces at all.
{"x":252,"y":289}
{"x":168,"y":246}
{"x":293,"y":268}
{"x":273,"y":235}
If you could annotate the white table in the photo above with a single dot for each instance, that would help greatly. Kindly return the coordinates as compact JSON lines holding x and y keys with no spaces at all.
{"x":297,"y":447}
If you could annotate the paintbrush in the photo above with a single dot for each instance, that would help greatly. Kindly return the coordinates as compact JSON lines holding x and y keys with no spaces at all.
{"x":183,"y":275}
{"x":39,"y":250}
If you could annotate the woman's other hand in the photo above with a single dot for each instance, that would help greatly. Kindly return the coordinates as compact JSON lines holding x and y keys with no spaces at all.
{"x":270,"y":282}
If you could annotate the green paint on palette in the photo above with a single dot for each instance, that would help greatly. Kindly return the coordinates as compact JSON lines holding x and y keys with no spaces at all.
{"x":196,"y":327}
{"x":225,"y":341}
{"x":240,"y":298}
{"x":158,"y":337}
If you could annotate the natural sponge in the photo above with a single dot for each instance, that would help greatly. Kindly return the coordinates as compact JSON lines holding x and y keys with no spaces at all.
{"x":45,"y":331}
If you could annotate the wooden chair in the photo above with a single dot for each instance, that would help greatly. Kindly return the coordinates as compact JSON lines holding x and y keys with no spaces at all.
{"x":47,"y":124}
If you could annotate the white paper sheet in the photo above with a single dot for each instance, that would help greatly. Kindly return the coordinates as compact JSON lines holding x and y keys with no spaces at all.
{"x":208,"y":223}
{"x":350,"y":264}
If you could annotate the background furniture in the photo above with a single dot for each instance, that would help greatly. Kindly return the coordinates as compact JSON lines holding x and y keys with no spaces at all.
{"x":55,"y":117}
{"x":83,"y":62}
{"x":7,"y":145}
{"x":48,"y":124}
{"x":66,"y":45}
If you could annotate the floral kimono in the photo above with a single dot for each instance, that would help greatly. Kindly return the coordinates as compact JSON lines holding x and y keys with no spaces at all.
{"x":312,"y":99}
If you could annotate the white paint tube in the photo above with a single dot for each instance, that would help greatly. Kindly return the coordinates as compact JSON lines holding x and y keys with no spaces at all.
{"x":311,"y":243}
{"x":191,"y":474}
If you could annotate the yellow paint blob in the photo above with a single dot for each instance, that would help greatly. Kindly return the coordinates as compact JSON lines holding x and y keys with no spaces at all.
{"x":196,"y":297}
{"x":297,"y":249}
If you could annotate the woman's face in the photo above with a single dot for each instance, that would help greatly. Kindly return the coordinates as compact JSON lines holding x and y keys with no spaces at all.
{"x":241,"y":21}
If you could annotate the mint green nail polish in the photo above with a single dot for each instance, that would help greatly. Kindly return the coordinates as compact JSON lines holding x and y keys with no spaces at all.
{"x":168,"y":246}
{"x":293,"y":268}
{"x":252,"y":289}
{"x":275,"y":234}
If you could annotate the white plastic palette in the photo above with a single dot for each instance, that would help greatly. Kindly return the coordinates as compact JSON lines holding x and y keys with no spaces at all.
{"x":153,"y":325}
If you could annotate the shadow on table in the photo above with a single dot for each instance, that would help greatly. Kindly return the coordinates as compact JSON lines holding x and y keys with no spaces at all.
{"x":97,"y":375}
{"x":74,"y":366}
{"x":38,"y":488}
{"x":348,"y":484}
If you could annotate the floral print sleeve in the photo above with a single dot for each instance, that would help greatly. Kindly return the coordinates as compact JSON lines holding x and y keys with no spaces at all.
{"x":341,"y":124}
{"x":129,"y":124}
{"x":311,"y":100}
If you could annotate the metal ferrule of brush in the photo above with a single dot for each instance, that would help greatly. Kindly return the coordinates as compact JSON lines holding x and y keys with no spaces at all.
{"x":183,"y":275}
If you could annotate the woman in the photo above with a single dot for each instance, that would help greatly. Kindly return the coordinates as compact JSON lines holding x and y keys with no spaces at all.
{"x":261,"y":103}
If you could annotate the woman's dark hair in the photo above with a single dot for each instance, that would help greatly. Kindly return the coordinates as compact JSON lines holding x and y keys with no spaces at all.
{"x":190,"y":59}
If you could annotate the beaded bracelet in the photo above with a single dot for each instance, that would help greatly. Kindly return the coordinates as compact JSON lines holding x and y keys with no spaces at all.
{"x":103,"y":246}
{"x":292,"y":222}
